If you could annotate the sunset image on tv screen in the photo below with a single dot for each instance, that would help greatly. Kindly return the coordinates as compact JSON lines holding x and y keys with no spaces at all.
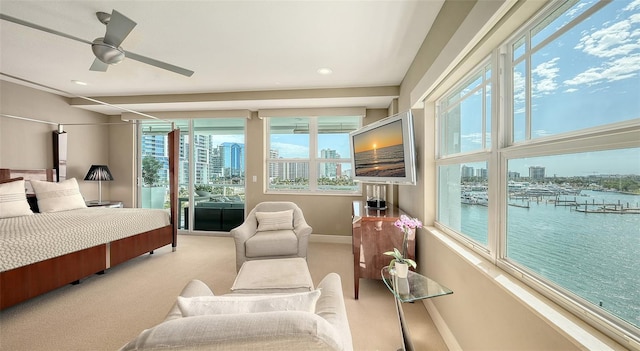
{"x":379,"y":152}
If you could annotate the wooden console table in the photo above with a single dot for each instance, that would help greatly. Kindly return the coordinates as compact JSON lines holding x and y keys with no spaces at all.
{"x":373,"y":233}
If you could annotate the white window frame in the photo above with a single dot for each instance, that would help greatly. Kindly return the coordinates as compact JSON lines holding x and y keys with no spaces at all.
{"x":481,"y":155}
{"x":314,"y":162}
{"x":612,"y":136}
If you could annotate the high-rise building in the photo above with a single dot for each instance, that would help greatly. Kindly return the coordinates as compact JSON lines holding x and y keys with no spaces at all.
{"x":210,"y":159}
{"x":273,"y":169}
{"x":467,"y":172}
{"x":293,"y":170}
{"x":536,"y":173}
{"x":156,"y":146}
{"x":231,"y":159}
{"x":201,"y":158}
{"x":329,"y":169}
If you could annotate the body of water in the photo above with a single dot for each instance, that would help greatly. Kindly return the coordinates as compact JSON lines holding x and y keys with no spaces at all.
{"x":594,"y":255}
{"x":383,"y":162}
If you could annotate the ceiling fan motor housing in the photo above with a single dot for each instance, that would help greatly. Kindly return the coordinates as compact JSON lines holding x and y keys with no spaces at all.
{"x":107,"y":53}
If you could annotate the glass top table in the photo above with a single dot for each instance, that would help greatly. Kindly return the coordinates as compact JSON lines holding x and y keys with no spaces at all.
{"x":412,"y":288}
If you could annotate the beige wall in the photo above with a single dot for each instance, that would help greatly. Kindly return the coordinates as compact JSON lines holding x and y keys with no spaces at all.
{"x":122,"y":162}
{"x":29,"y":145}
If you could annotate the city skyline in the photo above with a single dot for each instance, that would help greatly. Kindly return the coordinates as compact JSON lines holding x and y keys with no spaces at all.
{"x":560,"y":166}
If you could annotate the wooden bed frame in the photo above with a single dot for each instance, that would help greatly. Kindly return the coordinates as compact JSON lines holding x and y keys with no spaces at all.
{"x":20,"y":284}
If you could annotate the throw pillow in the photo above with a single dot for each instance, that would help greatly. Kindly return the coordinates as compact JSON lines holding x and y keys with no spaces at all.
{"x":55,"y":197}
{"x":233,"y":304}
{"x":275,"y":220}
{"x":13,"y":199}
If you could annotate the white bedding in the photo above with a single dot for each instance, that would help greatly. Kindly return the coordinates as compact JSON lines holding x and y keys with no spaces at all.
{"x":30,"y":239}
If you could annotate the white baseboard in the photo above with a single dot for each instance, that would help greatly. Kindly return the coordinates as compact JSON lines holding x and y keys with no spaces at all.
{"x":333,"y":239}
{"x":441,"y":325}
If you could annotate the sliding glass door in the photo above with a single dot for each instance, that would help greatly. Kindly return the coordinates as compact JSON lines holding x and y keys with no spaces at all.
{"x":211,"y":171}
{"x":153,"y":179}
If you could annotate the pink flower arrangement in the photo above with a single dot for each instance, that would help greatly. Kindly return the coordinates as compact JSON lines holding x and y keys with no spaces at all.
{"x":405,"y":223}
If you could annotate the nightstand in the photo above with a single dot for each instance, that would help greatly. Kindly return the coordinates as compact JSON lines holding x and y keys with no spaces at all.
{"x":112,"y":204}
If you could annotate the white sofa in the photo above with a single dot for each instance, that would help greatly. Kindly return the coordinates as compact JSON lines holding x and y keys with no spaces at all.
{"x":326,"y":329}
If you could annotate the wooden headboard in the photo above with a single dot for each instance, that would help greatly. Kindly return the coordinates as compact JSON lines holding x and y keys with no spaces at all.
{"x":28,"y":174}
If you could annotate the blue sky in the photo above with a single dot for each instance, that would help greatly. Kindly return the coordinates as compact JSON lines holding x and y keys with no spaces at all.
{"x":589,"y":75}
{"x":586,"y":77}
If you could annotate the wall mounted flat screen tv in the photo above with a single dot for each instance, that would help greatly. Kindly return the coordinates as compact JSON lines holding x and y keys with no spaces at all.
{"x":384,"y":151}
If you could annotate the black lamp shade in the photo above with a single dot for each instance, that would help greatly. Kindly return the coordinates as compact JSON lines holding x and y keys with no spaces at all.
{"x":98,"y":172}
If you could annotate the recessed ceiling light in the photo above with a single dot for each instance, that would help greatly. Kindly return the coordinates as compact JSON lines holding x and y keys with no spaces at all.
{"x":78,"y":82}
{"x":324,"y":71}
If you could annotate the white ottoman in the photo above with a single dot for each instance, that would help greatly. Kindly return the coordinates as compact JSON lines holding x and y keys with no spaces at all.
{"x":282,"y":275}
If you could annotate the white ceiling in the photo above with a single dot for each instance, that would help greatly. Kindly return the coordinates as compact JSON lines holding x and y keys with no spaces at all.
{"x":233,"y":46}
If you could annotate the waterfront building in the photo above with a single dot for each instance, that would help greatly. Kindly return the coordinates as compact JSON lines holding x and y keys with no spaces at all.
{"x":329,"y":169}
{"x":536,"y":173}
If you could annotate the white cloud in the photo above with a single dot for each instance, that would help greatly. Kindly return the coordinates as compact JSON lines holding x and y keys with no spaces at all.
{"x":605,"y":53}
{"x":544,"y":77}
{"x":576,"y":10}
{"x":620,"y":38}
{"x":632,"y":6}
{"x":518,"y":89}
{"x":617,"y":44}
{"x":621,"y":68}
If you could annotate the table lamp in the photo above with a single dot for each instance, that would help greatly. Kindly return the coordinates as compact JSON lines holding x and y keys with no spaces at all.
{"x":99,"y":173}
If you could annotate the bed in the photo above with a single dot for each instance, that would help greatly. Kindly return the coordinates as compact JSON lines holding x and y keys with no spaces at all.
{"x":44,"y":251}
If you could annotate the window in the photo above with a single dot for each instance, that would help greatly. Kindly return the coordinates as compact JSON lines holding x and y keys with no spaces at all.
{"x":464,"y":199}
{"x":465,"y":115}
{"x":211,"y":176}
{"x":562,"y":204}
{"x":585,"y":209}
{"x":154,"y":155}
{"x":310,"y":154}
{"x":464,"y":122}
{"x":583,"y":61}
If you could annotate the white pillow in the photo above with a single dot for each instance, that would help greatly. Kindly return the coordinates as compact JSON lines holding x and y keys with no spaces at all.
{"x":13,"y":200}
{"x":54,"y":197}
{"x":275,"y":220}
{"x":232,"y":304}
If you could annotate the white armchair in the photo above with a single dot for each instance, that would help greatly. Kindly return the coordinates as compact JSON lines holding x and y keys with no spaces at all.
{"x":272,"y":230}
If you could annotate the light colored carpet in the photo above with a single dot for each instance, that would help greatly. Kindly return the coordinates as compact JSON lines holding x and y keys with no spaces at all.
{"x":106,"y":311}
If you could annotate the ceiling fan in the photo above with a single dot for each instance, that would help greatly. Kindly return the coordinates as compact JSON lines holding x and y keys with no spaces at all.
{"x":107,"y":49}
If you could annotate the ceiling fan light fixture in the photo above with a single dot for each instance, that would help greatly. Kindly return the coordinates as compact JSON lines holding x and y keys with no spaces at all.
{"x":106,"y":53}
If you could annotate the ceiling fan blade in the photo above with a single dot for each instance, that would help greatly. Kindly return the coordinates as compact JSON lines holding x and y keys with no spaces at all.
{"x":44,"y":29}
{"x":98,"y":66}
{"x":159,"y":64}
{"x":118,"y":28}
